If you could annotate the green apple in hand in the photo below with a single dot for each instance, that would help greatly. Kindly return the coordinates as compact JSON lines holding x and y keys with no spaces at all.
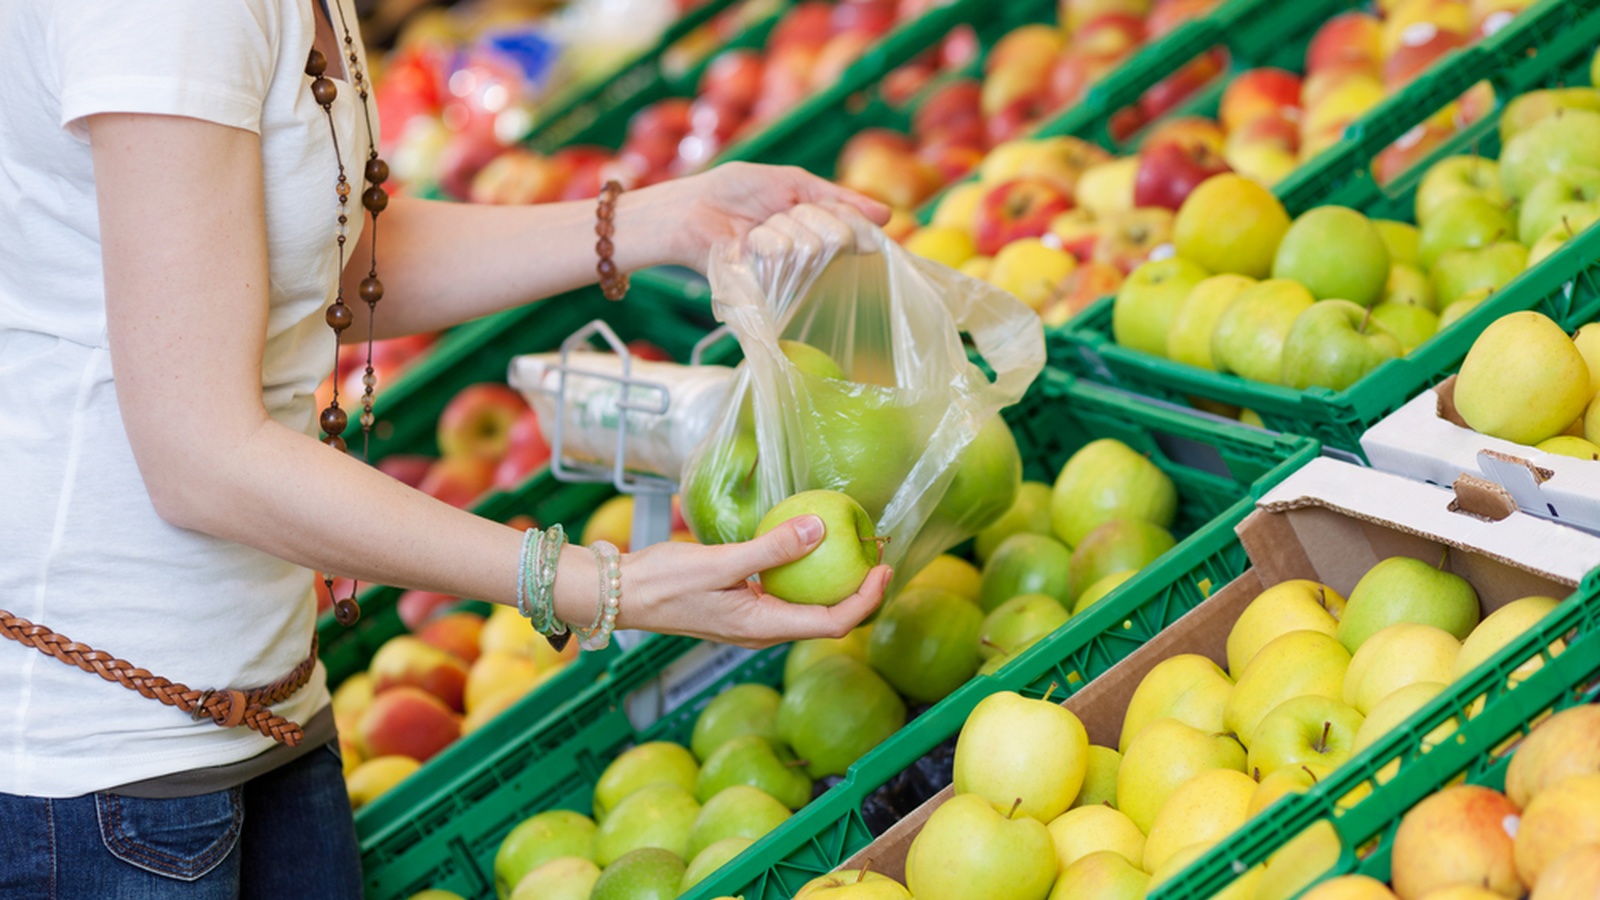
{"x":1203,"y":810}
{"x":711,"y":859}
{"x":1298,"y":604}
{"x":802,"y":654}
{"x":739,"y":811}
{"x":1412,"y":325}
{"x":1102,"y":875}
{"x":925,"y":643}
{"x":1401,"y":238}
{"x":835,"y":568}
{"x":1334,"y":344}
{"x":1142,"y":314}
{"x":1030,"y":512}
{"x":1019,"y":621}
{"x":1196,"y":318}
{"x":536,"y":841}
{"x":853,"y":884}
{"x":1165,"y":755}
{"x":649,"y":873}
{"x":645,"y":764}
{"x":739,"y":710}
{"x":1396,"y":656}
{"x":1336,"y":253}
{"x":836,"y":711}
{"x":1187,"y":687}
{"x":1458,"y":271}
{"x":1105,"y":480}
{"x":1456,"y":176}
{"x":1297,"y":663}
{"x":1462,"y":223}
{"x":562,"y":878}
{"x":720,"y":491}
{"x":1305,"y":729}
{"x":1403,"y":589}
{"x":656,"y":815}
{"x":1013,"y":749}
{"x":1026,"y":564}
{"x":810,"y":360}
{"x":1560,"y":143}
{"x":1118,"y":546}
{"x":986,"y":479}
{"x":1249,"y":336}
{"x":1556,"y":196}
{"x":967,"y":848}
{"x":1407,"y":286}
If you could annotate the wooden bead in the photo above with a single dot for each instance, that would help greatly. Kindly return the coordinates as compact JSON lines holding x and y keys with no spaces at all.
{"x":334,"y":420}
{"x":377,"y":171}
{"x":604,"y":229}
{"x":371,"y":289}
{"x":603,"y":247}
{"x":336,"y":442}
{"x":607,"y":268}
{"x":324,"y":91}
{"x":316,"y":63}
{"x":347,"y":611}
{"x":375,"y":199}
{"x":339,"y":316}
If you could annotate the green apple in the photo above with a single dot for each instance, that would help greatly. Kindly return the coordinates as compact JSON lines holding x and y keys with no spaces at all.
{"x":1019,"y":621}
{"x":1469,"y":301}
{"x":649,"y":873}
{"x":1334,"y":344}
{"x":1291,"y":665}
{"x":925,"y":643}
{"x":1026,"y":564}
{"x":1101,"y":876}
{"x":656,"y":815}
{"x":1552,"y":146}
{"x":1142,"y":314}
{"x":720,"y":491}
{"x":1498,"y":629}
{"x":864,"y":884}
{"x":1118,"y":546}
{"x":562,"y":878}
{"x":1307,"y":729}
{"x":645,"y":764}
{"x":1287,"y":780}
{"x":758,"y":762}
{"x":1462,"y":223}
{"x":711,"y":859}
{"x":1458,"y":271}
{"x":810,"y":360}
{"x":1249,"y":336}
{"x":1336,"y":253}
{"x":1411,"y":324}
{"x":1403,"y":589}
{"x":1105,"y":480}
{"x":1203,"y":810}
{"x":1452,"y":177}
{"x":1395,"y":656}
{"x":1187,"y":687}
{"x":739,"y":811}
{"x":836,"y":711}
{"x":1165,"y":755}
{"x":1196,"y":318}
{"x":1099,"y":779}
{"x":949,"y":573}
{"x":1523,"y":380}
{"x":439,"y":894}
{"x":1401,"y":239}
{"x":1569,"y":445}
{"x":986,"y":479}
{"x":1532,"y":107}
{"x":835,"y":568}
{"x":1570,"y":226}
{"x":1295,"y":605}
{"x":1030,"y":513}
{"x":1097,"y":591}
{"x":1230,"y":223}
{"x":1556,"y":196}
{"x":739,"y":710}
{"x":1013,"y":749}
{"x":1408,"y":286}
{"x":967,"y":848}
{"x":536,"y":841}
{"x":803,"y":654}
{"x":1083,"y":830}
{"x":857,"y":440}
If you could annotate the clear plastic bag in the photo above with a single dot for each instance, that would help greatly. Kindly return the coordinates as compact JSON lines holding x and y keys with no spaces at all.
{"x":895,"y":431}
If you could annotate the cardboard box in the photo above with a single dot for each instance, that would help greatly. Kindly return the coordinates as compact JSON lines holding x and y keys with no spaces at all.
{"x":1427,"y":440}
{"x":1331,"y":522}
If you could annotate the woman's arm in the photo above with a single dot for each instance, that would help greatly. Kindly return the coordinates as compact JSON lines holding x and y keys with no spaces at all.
{"x":444,"y":263}
{"x":183,"y":235}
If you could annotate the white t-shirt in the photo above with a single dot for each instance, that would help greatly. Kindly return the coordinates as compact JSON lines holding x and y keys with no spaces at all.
{"x":82,"y":550}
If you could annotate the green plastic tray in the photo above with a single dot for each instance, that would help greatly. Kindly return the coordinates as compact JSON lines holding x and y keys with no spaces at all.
{"x":1550,"y":43}
{"x":450,"y":840}
{"x":1476,"y":748}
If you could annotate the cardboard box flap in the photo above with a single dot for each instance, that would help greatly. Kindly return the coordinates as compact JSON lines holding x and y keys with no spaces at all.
{"x":1445,"y":402}
{"x":1482,"y":498}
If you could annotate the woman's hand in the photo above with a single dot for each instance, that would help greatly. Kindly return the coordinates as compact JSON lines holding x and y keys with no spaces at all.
{"x":706,"y":592}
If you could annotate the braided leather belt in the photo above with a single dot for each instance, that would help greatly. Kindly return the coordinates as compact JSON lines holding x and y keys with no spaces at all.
{"x":227,"y":707}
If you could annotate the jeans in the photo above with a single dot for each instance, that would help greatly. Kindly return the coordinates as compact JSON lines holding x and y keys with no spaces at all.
{"x":288,"y":833}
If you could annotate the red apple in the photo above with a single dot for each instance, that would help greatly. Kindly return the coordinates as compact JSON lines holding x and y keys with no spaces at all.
{"x":1177,"y":87}
{"x":1015,"y":119}
{"x":519,"y":177}
{"x":786,"y":80}
{"x":455,"y":633}
{"x":668,"y":118}
{"x":1186,"y":131}
{"x":1108,"y":34}
{"x":406,"y":468}
{"x":1351,"y":36}
{"x":951,"y":159}
{"x":1257,"y":93}
{"x":869,"y":141}
{"x":477,"y":421}
{"x":1420,"y":45}
{"x":947,"y":107}
{"x":1017,"y":209}
{"x":1282,"y":132}
{"x":896,"y":178}
{"x":1130,"y":237}
{"x":1168,"y":172}
{"x":1166,"y":15}
{"x":585,"y":164}
{"x":838,"y":54}
{"x":416,"y":608}
{"x":959,"y":47}
{"x":1077,"y":231}
{"x":646,"y":155}
{"x":459,"y":480}
{"x":640,"y":348}
{"x":1073,"y":73}
{"x":872,"y":18}
{"x":734,"y":77}
{"x":466,"y":153}
{"x":1083,"y":285}
{"x":1019,"y":66}
{"x":809,"y":23}
{"x":1126,"y":122}
{"x":526,"y":452}
{"x":1408,"y":150}
{"x":905,"y":82}
{"x":408,"y":721}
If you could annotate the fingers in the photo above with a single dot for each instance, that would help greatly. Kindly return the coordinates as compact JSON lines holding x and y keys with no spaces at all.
{"x":818,"y":190}
{"x":788,"y":542}
{"x":794,"y":622}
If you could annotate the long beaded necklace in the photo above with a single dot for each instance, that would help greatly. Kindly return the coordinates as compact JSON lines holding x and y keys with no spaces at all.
{"x":338,"y":316}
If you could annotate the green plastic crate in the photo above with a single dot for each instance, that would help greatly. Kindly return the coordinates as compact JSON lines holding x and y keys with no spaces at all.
{"x":1477,"y":748}
{"x":1551,"y":43}
{"x":450,"y":840}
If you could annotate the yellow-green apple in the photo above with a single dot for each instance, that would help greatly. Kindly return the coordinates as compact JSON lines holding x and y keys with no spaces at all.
{"x":1401,"y":238}
{"x":1018,"y":622}
{"x":1187,"y":687}
{"x":496,"y":672}
{"x":835,"y":568}
{"x":1026,"y":563}
{"x":1196,"y":318}
{"x":1551,"y":146}
{"x":1242,"y":888}
{"x":1460,"y":835}
{"x":1058,"y":161}
{"x":1165,"y":755}
{"x":1285,"y":780}
{"x":1334,"y":344}
{"x":1231,"y":225}
{"x":656,"y":815}
{"x":1016,"y":209}
{"x":950,"y":573}
{"x":372,"y":777}
{"x":654,"y":762}
{"x":1500,"y":628}
{"x":946,"y":244}
{"x":1102,"y":875}
{"x":1408,"y":286}
{"x":1523,"y":380}
{"x":1404,"y":589}
{"x":863,"y":884}
{"x":1335,"y":106}
{"x":611,"y":521}
{"x":986,"y":479}
{"x":1532,"y":107}
{"x":477,"y":421}
{"x":1098,"y":591}
{"x":1354,"y":35}
{"x":1587,"y":340}
{"x":1350,"y":887}
{"x":831,"y":735}
{"x":1100,"y":778}
{"x":925,"y":643}
{"x":1076,"y":231}
{"x":554,"y":834}
{"x":1120,"y":545}
{"x":1568,"y":228}
{"x":1106,"y":188}
{"x":353,"y":696}
{"x":1468,"y":302}
{"x":1106,"y":480}
{"x":1015,"y":749}
{"x":1030,"y":269}
{"x":648,"y":873}
{"x":958,"y":208}
{"x":1395,"y":709}
{"x":1457,"y":176}
{"x":1203,"y":810}
{"x":1263,"y":160}
{"x":1256,"y":93}
{"x":1300,"y":862}
{"x":1295,"y":605}
{"x":458,"y":480}
{"x":758,"y":762}
{"x":1083,"y":830}
{"x":1310,"y":728}
{"x":1575,"y":873}
{"x":713,"y":857}
{"x":407,"y":721}
{"x":408,"y":660}
{"x":507,"y":631}
{"x":739,"y":710}
{"x":967,"y":848}
{"x":1456,"y":272}
{"x":1249,"y":336}
{"x":498,"y":700}
{"x":1087,"y":283}
{"x":1029,"y":513}
{"x":1411,"y":324}
{"x":562,"y":878}
{"x":1130,"y":238}
{"x":1170,"y":171}
{"x":737,"y":811}
{"x":1564,"y":745}
{"x":1555,"y":197}
{"x":720,"y":491}
{"x":1291,"y":665}
{"x":1141,"y":317}
{"x":1336,"y":253}
{"x":1568,"y":445}
{"x":1396,"y":656}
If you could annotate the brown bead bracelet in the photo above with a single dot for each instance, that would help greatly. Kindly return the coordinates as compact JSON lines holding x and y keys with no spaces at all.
{"x":613,"y":284}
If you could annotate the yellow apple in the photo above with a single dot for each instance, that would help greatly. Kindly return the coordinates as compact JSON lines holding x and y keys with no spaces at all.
{"x":1100,"y":778}
{"x":1089,"y":829}
{"x":1187,"y":687}
{"x":1558,"y":820}
{"x":1566,"y":744}
{"x":1523,"y":380}
{"x":1393,"y":657}
{"x":1575,"y":873}
{"x":1165,"y":755}
{"x":1230,"y":224}
{"x":1296,"y":779}
{"x":948,"y":573}
{"x":1107,"y":188}
{"x":1587,"y":340}
{"x":1394,"y":709}
{"x":1500,"y":628}
{"x":1460,"y":835}
{"x":496,"y":672}
{"x":1100,"y":876}
{"x":1030,"y":270}
{"x":1296,"y":605}
{"x":1189,"y":341}
{"x":1203,"y":810}
{"x":977,"y":267}
{"x":1013,"y":748}
{"x":1242,"y":888}
{"x":946,"y":244}
{"x":959,"y":207}
{"x":1291,"y":665}
{"x":1350,"y":887}
{"x":1300,"y":862}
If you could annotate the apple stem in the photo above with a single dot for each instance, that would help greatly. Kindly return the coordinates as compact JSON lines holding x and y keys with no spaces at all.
{"x":796,"y":763}
{"x":1322,"y":745}
{"x":1567,"y":225}
{"x":1256,"y":774}
{"x":862,"y":875}
{"x":1442,"y":558}
{"x":1307,"y":770}
{"x":1051,"y":690}
{"x":1364,"y":321}
{"x":1014,"y":807}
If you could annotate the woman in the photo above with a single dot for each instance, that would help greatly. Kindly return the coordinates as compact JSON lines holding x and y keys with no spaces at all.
{"x":169,"y":248}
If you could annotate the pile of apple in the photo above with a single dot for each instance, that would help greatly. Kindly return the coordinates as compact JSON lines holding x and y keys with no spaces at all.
{"x":1526,"y":381}
{"x":422,"y":692}
{"x":1540,"y":837}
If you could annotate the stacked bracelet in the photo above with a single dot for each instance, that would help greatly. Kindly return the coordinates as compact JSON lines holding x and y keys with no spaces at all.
{"x":536,"y":583}
{"x":598,"y":635}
